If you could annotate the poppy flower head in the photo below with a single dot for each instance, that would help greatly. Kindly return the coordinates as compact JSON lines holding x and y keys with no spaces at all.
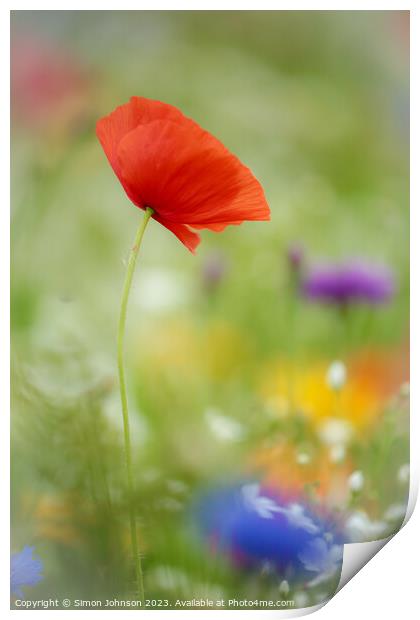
{"x":166,"y":161}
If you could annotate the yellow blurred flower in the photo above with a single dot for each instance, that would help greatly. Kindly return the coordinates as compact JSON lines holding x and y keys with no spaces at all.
{"x":372,"y":377}
{"x":171,"y":346}
{"x":225,"y":349}
{"x":215,"y":350}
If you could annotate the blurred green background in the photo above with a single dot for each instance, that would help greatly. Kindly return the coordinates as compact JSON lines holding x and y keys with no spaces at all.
{"x":316,"y":104}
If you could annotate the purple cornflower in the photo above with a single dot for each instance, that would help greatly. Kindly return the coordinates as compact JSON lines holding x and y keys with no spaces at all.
{"x":25,"y":570}
{"x":351,"y":282}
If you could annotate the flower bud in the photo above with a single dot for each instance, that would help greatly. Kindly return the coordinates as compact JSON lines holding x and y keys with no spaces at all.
{"x":295,"y":256}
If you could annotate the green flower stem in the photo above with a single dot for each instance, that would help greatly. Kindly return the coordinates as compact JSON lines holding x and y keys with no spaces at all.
{"x":123,"y":391}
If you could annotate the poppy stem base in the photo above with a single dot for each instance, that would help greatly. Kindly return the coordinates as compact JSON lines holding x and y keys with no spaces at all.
{"x":124,"y":402}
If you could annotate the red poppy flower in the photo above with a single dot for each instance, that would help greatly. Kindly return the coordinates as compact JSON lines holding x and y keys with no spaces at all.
{"x":166,"y":161}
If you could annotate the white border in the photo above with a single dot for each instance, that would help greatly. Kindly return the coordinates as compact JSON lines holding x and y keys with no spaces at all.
{"x":388,"y":584}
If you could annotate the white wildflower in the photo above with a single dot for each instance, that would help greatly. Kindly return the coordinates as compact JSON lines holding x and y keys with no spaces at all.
{"x":336,"y":375}
{"x":359,"y":528}
{"x":356,"y":481}
{"x":337,"y":453}
{"x":223,"y":427}
{"x":161,"y":290}
{"x":303,"y":458}
{"x":395,"y":512}
{"x":404,"y":473}
{"x":284,"y":587}
{"x":335,"y":431}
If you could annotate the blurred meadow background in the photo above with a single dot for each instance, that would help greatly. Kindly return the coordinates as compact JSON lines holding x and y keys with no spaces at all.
{"x":234,"y":374}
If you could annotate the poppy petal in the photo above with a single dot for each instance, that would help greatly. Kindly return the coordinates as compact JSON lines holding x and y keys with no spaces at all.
{"x":138,"y":111}
{"x":188,"y":237}
{"x":217,"y":227}
{"x":187,"y":176}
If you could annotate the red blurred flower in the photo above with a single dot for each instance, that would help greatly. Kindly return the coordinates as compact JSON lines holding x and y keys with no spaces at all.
{"x":166,"y":161}
{"x":48,"y":88}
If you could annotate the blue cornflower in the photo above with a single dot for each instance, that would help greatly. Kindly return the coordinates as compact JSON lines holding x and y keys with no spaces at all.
{"x":257,"y":527}
{"x":25,"y":570}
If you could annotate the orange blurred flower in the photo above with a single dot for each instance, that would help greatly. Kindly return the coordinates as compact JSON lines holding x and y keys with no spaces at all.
{"x":288,"y":467}
{"x":54,"y":517}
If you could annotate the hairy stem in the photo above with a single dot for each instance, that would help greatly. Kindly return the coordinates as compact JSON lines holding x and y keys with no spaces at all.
{"x":124,"y":404}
